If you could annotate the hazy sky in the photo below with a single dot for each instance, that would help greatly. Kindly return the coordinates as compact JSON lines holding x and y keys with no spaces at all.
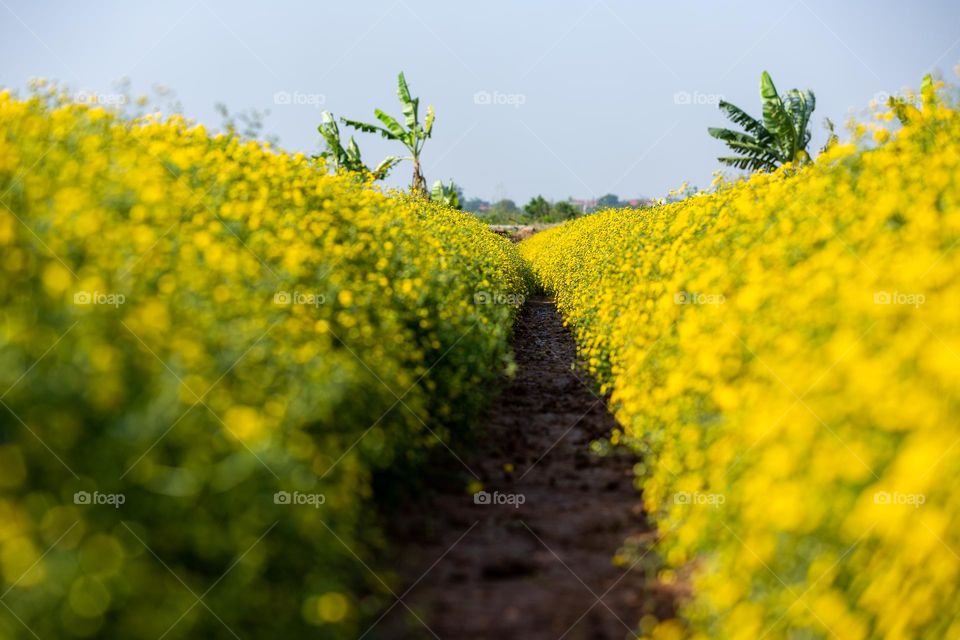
{"x":560,"y":98}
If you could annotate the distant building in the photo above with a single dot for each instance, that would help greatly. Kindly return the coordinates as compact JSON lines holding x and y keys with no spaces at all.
{"x":584,"y":205}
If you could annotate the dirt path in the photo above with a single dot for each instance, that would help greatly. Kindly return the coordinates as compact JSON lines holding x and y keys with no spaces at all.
{"x":543,"y":568}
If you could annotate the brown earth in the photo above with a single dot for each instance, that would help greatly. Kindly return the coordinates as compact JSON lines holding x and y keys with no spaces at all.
{"x":543,"y":568}
{"x":514,"y":232}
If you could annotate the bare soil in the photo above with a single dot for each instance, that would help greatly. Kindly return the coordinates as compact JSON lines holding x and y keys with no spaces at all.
{"x":543,"y":568}
{"x":513,"y":232}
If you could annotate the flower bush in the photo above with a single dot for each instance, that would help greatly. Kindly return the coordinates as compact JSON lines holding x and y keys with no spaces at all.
{"x":208,"y":349}
{"x":785,"y":355}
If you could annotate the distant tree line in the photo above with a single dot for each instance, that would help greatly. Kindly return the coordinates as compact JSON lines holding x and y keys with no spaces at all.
{"x":539,"y":209}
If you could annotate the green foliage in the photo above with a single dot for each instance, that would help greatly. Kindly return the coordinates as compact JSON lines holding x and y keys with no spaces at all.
{"x":781,"y":137}
{"x":198,"y":330}
{"x":504,"y":212}
{"x":448,"y":196}
{"x":413,"y":136}
{"x":538,"y":208}
{"x":348,"y":158}
{"x":608,"y":201}
{"x":565,"y":211}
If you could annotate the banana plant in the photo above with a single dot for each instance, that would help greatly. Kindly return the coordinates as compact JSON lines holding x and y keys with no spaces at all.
{"x":413,"y":136}
{"x":448,"y":195}
{"x":782,"y":136}
{"x":348,"y":157}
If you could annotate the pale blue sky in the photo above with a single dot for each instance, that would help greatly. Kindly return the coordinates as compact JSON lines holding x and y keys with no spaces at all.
{"x":584,"y":95}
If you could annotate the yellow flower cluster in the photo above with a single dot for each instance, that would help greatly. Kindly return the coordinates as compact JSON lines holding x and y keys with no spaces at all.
{"x":211,"y":353}
{"x":785,"y":354}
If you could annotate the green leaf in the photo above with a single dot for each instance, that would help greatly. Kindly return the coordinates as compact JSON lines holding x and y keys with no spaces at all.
{"x":745,"y":120}
{"x":410,"y":105}
{"x":402,"y":89}
{"x":754,"y":155}
{"x":728,"y":135}
{"x":801,"y":105}
{"x":394,"y":126}
{"x":428,"y":124}
{"x":331,"y":135}
{"x":368,"y":128}
{"x":740,"y":138}
{"x":353,"y":151}
{"x":775,"y":117}
{"x":384,"y":167}
{"x":928,"y":95}
{"x":410,"y":112}
{"x":751,"y":164}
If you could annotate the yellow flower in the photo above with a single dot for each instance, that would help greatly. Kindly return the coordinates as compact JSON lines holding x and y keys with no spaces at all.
{"x":229,"y":325}
{"x":783,"y":351}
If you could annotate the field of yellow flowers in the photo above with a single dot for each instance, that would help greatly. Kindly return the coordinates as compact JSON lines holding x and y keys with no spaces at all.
{"x":208,"y":349}
{"x":785,"y":354}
